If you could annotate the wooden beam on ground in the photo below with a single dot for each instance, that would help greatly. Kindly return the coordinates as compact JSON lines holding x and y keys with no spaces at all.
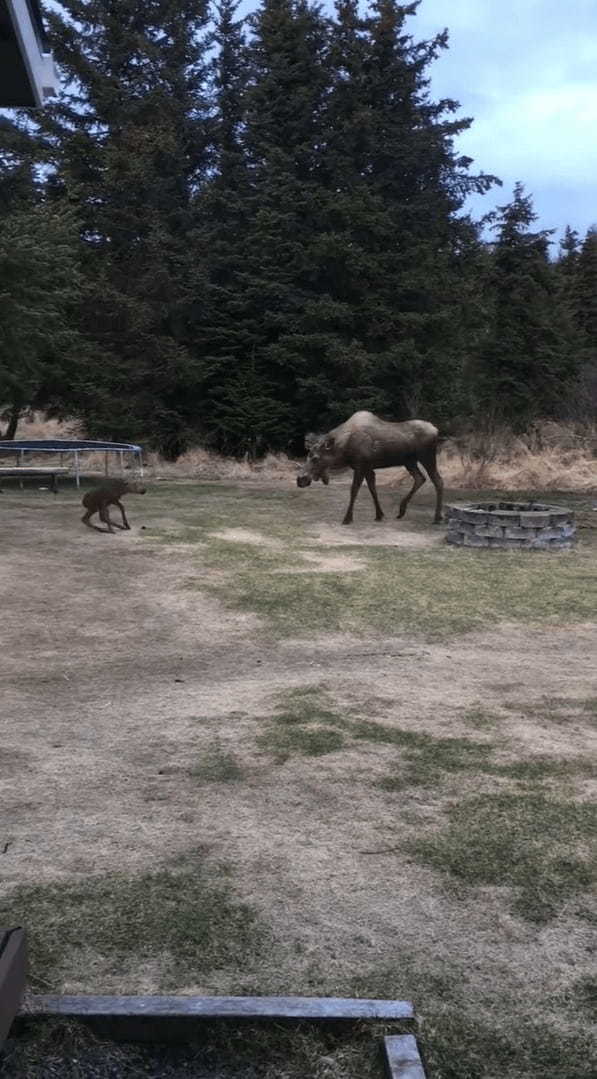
{"x":162,"y":1018}
{"x":224,"y":1007}
{"x":13,"y":963}
{"x":402,"y":1057}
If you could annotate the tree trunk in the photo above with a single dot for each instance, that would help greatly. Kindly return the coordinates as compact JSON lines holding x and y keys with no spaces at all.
{"x":13,"y":421}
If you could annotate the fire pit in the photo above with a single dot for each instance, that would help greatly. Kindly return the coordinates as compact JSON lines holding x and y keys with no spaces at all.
{"x":528,"y":525}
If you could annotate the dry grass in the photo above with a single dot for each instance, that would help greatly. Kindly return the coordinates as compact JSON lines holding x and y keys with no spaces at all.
{"x":296,"y":813}
{"x":521,"y":468}
{"x":554,"y":457}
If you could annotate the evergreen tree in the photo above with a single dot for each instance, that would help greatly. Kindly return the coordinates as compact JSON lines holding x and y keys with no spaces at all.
{"x":586,"y":289}
{"x":569,"y":250}
{"x":528,"y":364}
{"x":40,"y":285}
{"x":584,"y":293}
{"x":271,"y":347}
{"x":129,"y":142}
{"x":237,"y":410}
{"x":400,"y":187}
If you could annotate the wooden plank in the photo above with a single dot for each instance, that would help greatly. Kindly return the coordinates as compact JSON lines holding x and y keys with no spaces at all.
{"x":309,"y":1008}
{"x":13,"y":962}
{"x":24,"y":470}
{"x":402,"y":1057}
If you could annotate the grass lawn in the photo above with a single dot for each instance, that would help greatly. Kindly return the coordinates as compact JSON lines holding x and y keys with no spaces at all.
{"x":248,"y":750}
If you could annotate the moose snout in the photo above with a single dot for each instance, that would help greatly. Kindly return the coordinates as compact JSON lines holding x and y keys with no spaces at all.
{"x":302,"y":481}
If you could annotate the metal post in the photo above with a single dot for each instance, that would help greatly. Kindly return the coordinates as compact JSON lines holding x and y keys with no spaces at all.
{"x":106,"y":462}
{"x":140,"y":456}
{"x":77,"y":474}
{"x":121,"y":452}
{"x":21,"y":462}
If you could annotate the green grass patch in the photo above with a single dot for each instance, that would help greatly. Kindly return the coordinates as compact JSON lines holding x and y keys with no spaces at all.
{"x":425,"y":765}
{"x":185,"y":918}
{"x":285,"y":742}
{"x":435,"y":593}
{"x":537,"y":769}
{"x":425,"y":758}
{"x":307,"y":724}
{"x":217,"y":765}
{"x":556,"y":709}
{"x":584,"y":994}
{"x":481,"y":718}
{"x":464,"y":1035}
{"x":530,"y":843}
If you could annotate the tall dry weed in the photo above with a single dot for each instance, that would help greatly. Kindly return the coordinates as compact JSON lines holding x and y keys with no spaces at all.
{"x":550,"y":457}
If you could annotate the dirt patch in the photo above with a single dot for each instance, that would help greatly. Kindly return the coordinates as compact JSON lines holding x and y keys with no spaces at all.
{"x":119,"y":680}
{"x":336,"y":563}
{"x":244,"y":535}
{"x":380,"y":534}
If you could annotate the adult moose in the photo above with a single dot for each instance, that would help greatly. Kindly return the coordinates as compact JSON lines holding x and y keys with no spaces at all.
{"x":364,"y":443}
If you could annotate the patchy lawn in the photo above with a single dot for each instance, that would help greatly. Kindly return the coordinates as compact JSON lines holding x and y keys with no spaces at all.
{"x":247,"y":750}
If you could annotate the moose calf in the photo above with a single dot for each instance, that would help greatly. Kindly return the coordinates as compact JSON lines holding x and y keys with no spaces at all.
{"x":107,"y":494}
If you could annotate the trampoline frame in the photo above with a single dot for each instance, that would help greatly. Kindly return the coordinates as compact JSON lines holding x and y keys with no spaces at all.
{"x":21,"y":446}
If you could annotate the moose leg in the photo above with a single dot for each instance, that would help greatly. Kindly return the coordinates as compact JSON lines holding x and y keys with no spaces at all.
{"x":430,"y":465}
{"x":105,"y":517}
{"x":419,"y":479}
{"x":357,"y":480}
{"x":86,"y":519}
{"x":125,"y":523}
{"x":370,"y":478}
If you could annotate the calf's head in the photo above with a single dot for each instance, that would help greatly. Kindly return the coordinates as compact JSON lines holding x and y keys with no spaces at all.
{"x":320,"y":458}
{"x":135,"y":487}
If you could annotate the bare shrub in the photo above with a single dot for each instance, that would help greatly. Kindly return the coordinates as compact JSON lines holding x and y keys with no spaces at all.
{"x":551,"y":456}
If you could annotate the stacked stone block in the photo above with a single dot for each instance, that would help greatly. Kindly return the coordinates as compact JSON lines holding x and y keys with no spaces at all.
{"x":515,"y":525}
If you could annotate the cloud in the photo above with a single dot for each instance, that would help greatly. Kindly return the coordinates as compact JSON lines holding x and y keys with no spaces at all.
{"x":526,"y":71}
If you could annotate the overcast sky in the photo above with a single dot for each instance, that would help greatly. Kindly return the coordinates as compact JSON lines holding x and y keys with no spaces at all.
{"x":526,"y":70}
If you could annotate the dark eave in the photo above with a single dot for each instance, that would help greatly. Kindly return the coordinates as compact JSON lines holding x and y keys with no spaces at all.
{"x":27,"y":73}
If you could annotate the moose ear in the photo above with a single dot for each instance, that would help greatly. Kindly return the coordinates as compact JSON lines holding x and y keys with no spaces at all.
{"x":329,"y":443}
{"x":310,"y":440}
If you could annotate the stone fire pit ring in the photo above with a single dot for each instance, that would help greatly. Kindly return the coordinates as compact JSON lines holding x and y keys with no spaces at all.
{"x":511,"y":525}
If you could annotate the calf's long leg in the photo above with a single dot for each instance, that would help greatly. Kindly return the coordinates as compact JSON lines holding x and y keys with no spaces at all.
{"x":370,"y":478}
{"x":125,"y":523}
{"x":419,"y":480}
{"x":357,"y":480}
{"x":105,"y":517}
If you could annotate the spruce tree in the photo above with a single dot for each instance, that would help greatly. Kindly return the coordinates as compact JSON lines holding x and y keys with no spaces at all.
{"x":401,"y":186}
{"x":584,"y":291}
{"x":278,"y":342}
{"x":129,"y":142}
{"x":528,"y":363}
{"x":40,"y":285}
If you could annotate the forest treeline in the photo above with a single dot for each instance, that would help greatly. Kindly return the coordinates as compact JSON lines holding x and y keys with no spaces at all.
{"x":230,"y":231}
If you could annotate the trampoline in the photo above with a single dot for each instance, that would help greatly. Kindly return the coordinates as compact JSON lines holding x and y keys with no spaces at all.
{"x":22,"y":446}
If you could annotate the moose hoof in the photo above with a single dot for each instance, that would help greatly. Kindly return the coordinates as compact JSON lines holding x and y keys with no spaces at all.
{"x":347,"y":521}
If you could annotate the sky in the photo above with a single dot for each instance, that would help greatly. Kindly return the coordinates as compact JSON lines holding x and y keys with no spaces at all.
{"x":526,"y":70}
